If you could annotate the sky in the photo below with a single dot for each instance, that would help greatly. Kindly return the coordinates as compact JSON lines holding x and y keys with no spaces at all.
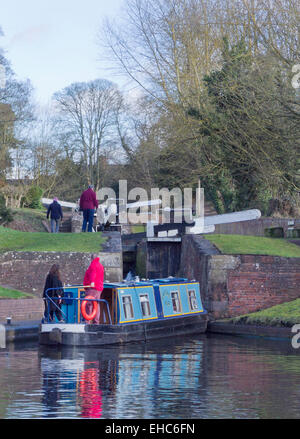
{"x":54,"y":42}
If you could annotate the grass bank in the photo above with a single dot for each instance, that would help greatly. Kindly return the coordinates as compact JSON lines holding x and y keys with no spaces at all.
{"x":15,"y":240}
{"x":256,"y":245}
{"x":28,"y":220}
{"x":7,"y":293}
{"x":286,"y":314}
{"x":138,"y":229}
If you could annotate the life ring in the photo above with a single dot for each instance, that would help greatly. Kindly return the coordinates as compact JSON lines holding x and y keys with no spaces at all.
{"x":85,"y":315}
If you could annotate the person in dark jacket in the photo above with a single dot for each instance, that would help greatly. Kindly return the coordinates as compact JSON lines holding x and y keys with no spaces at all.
{"x":88,"y":203}
{"x":53,"y":280}
{"x":55,"y":212}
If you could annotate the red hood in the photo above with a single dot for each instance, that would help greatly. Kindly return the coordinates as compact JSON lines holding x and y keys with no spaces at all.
{"x":95,"y":273}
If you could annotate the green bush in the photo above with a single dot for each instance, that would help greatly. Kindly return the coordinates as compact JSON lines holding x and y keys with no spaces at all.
{"x":274,"y":232}
{"x":293,"y":233}
{"x":33,"y":197}
{"x":6,"y":215}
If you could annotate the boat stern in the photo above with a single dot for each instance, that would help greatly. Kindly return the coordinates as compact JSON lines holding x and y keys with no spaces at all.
{"x":58,"y":333}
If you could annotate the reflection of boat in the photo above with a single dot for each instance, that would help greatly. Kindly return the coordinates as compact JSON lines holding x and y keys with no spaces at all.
{"x":119,"y":381}
{"x":130,"y":311}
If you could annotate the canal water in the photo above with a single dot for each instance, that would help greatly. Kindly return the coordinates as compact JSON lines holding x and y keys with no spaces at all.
{"x":200,"y":377}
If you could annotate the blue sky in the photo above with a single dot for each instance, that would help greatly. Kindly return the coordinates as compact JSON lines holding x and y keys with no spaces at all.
{"x":53,"y":42}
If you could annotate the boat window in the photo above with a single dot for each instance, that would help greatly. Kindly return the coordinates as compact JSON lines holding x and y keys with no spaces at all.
{"x":145,"y":304}
{"x":193,"y":300}
{"x":127,"y":307}
{"x":175,"y":301}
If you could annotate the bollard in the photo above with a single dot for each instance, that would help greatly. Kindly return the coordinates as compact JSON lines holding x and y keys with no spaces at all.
{"x":2,"y":336}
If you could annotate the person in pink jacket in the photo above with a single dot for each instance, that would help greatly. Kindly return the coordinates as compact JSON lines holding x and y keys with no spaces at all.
{"x":94,"y":276}
{"x":88,"y":203}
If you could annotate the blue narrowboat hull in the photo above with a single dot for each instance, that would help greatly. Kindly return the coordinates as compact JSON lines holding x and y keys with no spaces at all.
{"x":99,"y":335}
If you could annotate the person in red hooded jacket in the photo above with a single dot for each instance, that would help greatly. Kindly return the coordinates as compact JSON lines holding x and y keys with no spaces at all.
{"x":94,"y":276}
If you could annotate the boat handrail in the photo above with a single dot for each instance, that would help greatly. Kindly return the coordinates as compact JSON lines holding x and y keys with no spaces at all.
{"x":50,"y":299}
{"x":54,"y":299}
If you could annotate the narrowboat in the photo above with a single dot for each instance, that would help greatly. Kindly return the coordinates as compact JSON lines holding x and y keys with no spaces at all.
{"x":129,"y":312}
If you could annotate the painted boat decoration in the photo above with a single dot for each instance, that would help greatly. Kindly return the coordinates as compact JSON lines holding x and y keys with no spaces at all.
{"x":129,"y":312}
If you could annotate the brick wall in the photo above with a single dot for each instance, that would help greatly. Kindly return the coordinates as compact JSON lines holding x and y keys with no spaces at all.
{"x":233,"y":285}
{"x":259,"y":282}
{"x":21,"y":309}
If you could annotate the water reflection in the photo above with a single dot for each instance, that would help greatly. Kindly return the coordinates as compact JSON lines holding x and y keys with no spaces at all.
{"x":119,"y":382}
{"x":208,"y":376}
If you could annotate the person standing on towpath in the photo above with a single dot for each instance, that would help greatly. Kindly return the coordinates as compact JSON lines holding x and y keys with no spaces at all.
{"x":88,"y":203}
{"x":55,"y":212}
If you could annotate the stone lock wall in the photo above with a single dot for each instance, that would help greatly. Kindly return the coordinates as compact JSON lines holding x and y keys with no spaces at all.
{"x":27,"y":271}
{"x":258,"y":282}
{"x":21,"y":309}
{"x":233,"y":285}
{"x":257,"y":227}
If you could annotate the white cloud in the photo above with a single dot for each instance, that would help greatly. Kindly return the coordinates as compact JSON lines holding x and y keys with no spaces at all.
{"x":30,"y":35}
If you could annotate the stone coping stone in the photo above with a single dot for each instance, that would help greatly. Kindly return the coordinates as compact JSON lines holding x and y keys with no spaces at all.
{"x":250,"y":330}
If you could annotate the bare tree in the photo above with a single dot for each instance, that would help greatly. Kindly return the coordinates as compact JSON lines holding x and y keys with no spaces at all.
{"x":16,"y":96}
{"x":230,"y":116}
{"x":86,"y":114}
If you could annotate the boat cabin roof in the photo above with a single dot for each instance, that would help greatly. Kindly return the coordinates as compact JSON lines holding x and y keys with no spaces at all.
{"x":148,"y":282}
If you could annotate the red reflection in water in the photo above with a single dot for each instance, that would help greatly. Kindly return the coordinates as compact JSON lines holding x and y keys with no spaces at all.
{"x":91,"y":395}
